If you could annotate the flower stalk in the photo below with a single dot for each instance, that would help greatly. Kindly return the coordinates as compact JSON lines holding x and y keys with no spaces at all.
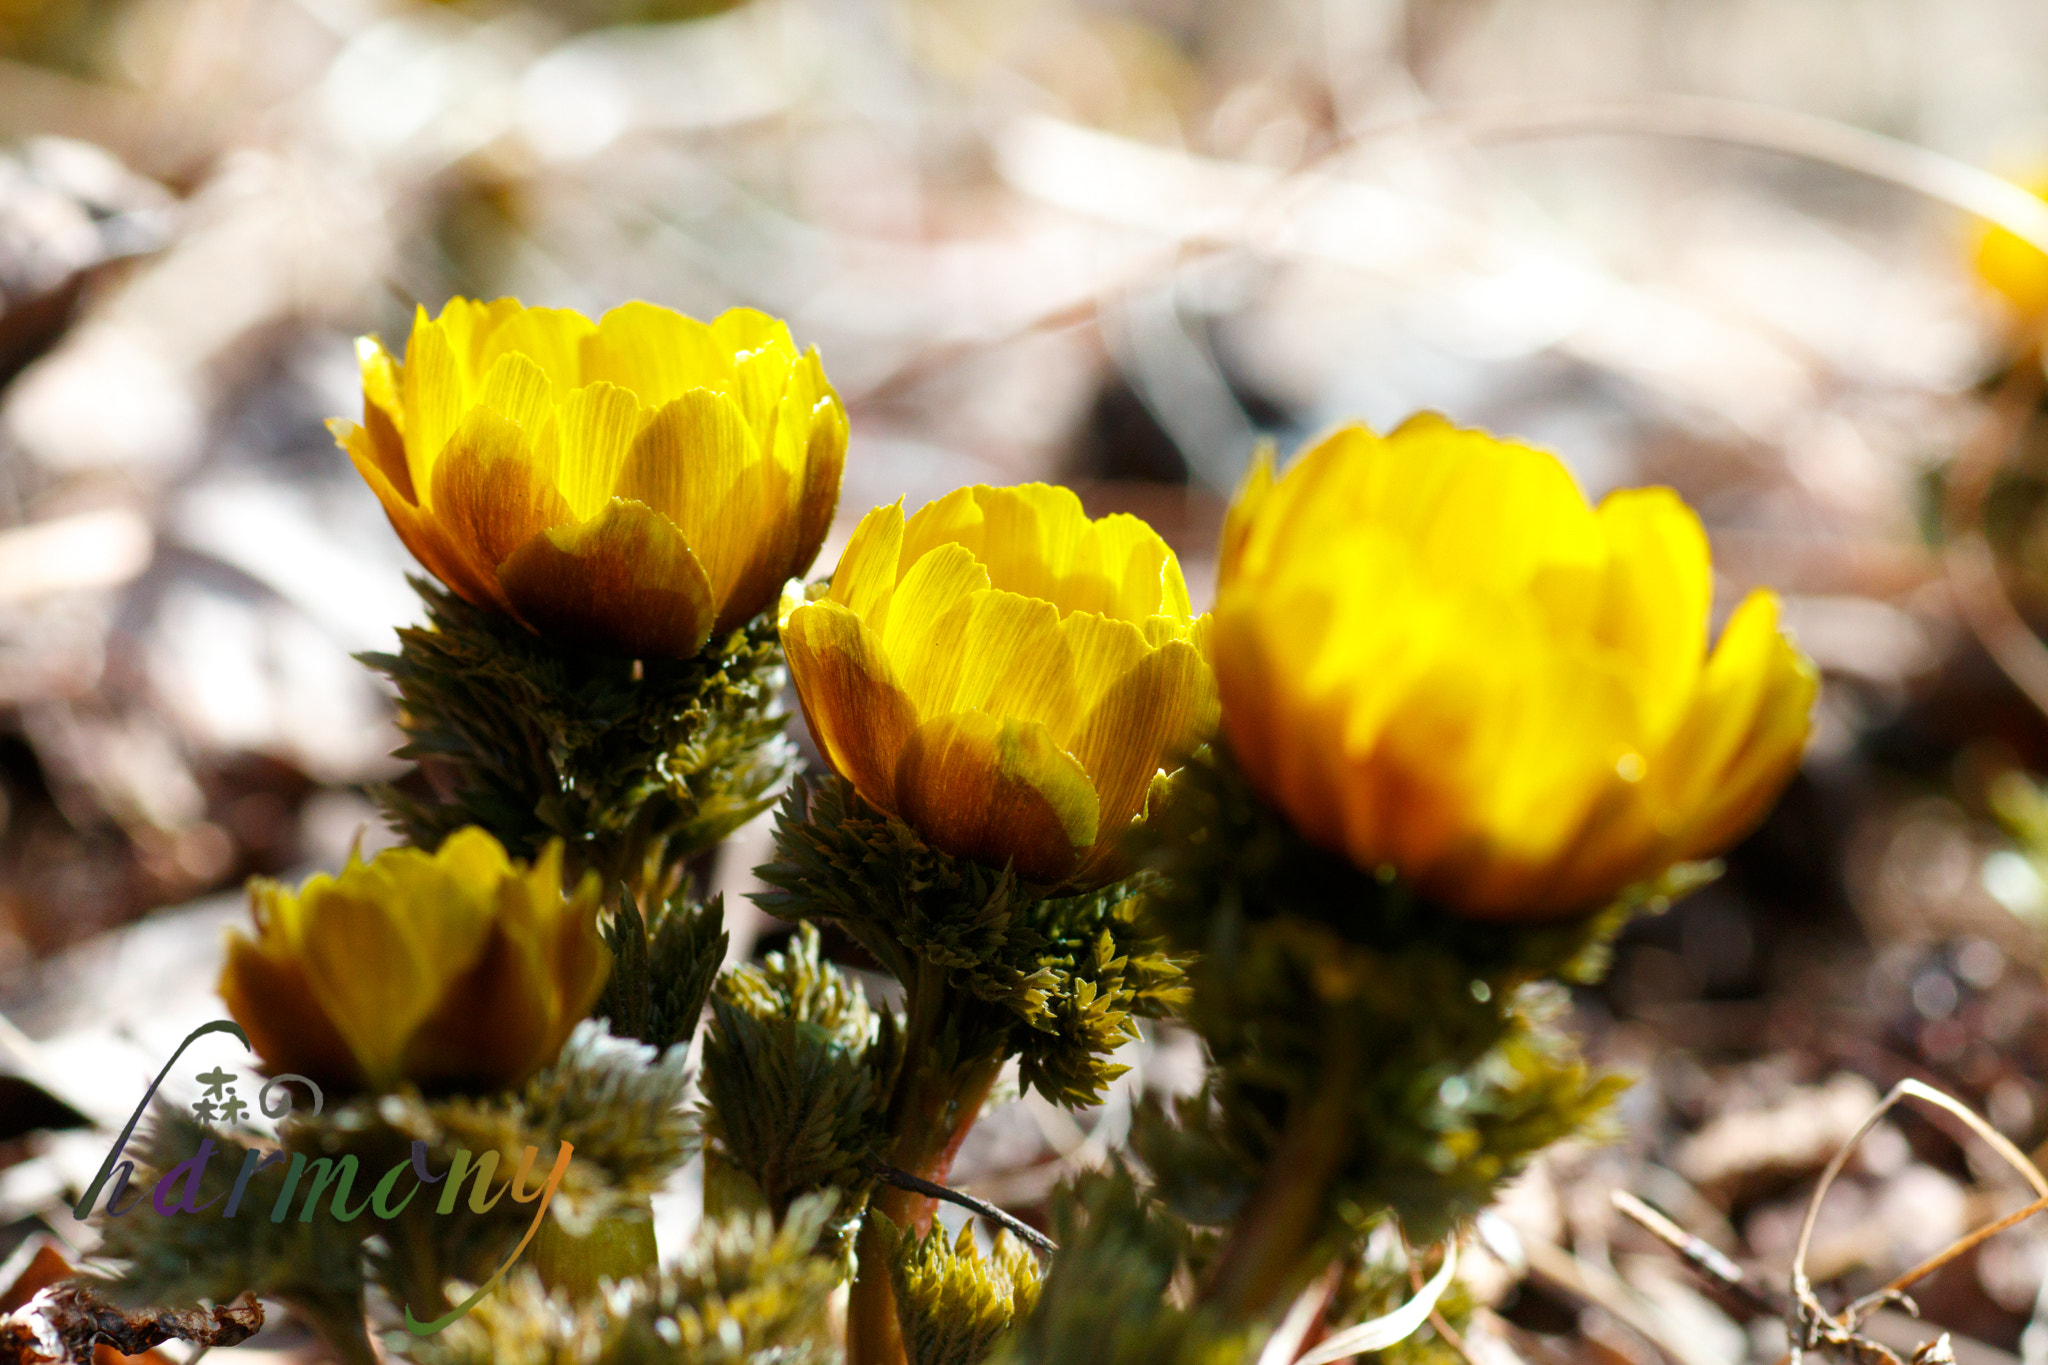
{"x":930,"y":1112}
{"x":1268,"y":1254}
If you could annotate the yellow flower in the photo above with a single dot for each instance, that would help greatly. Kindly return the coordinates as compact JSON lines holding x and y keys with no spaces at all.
{"x":459,"y":968}
{"x":632,"y":485}
{"x":2015,"y":269}
{"x":1004,"y":675}
{"x":1434,"y":657}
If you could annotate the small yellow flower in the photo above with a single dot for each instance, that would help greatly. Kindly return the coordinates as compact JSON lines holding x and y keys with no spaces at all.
{"x":2016,"y":270}
{"x":460,"y":968}
{"x":1434,"y":657}
{"x":632,"y":485}
{"x":1004,"y":675}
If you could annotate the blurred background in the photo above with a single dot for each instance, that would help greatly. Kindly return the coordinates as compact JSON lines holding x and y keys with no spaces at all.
{"x":1109,"y":243}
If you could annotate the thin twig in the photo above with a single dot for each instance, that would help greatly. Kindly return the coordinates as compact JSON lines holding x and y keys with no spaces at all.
{"x":1452,"y":1337}
{"x":904,"y":1180}
{"x":1702,"y":1256}
{"x":1942,"y":1258}
{"x":1813,"y":1325}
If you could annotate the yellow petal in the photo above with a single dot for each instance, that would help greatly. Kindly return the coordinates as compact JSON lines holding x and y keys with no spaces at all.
{"x":998,"y":791}
{"x":580,"y":959}
{"x":657,"y":354}
{"x":594,"y":431}
{"x":1245,"y":509}
{"x":804,"y":434}
{"x":697,"y":463}
{"x":866,"y":577}
{"x":1103,"y":650}
{"x":1030,"y":537}
{"x":858,"y":714}
{"x":551,"y":339}
{"x":955,"y":518}
{"x":1658,"y":589}
{"x":924,"y":636}
{"x":1013,"y":662}
{"x":760,"y":380}
{"x":1150,"y":719}
{"x":1327,"y":492}
{"x":1745,"y":733}
{"x":624,"y":581}
{"x":824,"y":463}
{"x":742,"y":330}
{"x":518,"y":390}
{"x":376,"y":1011}
{"x":468,"y":326}
{"x":474,"y":858}
{"x":432,"y":395}
{"x":1116,"y":570}
{"x":1481,"y":510}
{"x":488,"y":496}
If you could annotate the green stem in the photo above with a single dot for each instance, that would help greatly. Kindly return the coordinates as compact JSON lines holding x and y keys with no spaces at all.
{"x":930,"y":1113}
{"x":1263,"y":1260}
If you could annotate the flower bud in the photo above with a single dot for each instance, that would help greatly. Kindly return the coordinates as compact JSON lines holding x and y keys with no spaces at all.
{"x":1435,"y":658}
{"x":461,"y":969}
{"x":634,"y":485}
{"x":1005,"y":675}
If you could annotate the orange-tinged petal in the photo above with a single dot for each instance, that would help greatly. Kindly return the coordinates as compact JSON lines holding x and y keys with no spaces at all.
{"x":580,"y":959}
{"x":383,"y":413}
{"x":456,"y":967}
{"x":999,"y":791}
{"x":490,"y":1020}
{"x":375,"y":1011}
{"x":624,"y":581}
{"x":420,"y":533}
{"x":858,"y":714}
{"x":269,"y":997}
{"x":489,"y":497}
